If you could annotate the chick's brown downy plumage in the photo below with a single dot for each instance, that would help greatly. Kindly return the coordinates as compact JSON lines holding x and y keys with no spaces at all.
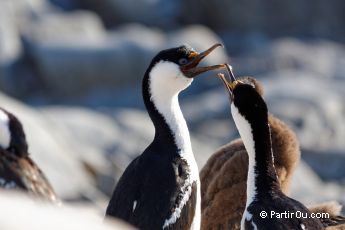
{"x":334,"y":221}
{"x":224,"y":177}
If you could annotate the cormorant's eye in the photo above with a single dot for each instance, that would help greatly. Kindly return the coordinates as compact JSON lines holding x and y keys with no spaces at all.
{"x":183,"y":61}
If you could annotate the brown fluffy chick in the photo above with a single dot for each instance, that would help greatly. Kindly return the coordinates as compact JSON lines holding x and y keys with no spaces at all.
{"x":224,"y":177}
{"x":333,"y":208}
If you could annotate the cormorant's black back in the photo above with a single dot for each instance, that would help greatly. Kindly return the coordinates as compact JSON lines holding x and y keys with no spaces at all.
{"x":154,"y":181}
{"x":278,"y":203}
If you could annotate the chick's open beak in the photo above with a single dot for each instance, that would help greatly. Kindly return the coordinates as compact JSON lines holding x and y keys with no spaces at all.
{"x":191,"y":70}
{"x":233,"y":82}
{"x":225,"y":82}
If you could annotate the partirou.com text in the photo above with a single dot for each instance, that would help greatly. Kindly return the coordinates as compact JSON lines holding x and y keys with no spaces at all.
{"x":290,"y":215}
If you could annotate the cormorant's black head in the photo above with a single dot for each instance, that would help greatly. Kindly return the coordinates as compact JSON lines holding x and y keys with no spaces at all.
{"x":246,"y":98}
{"x":253,"y":82}
{"x":12,"y":137}
{"x":187,"y":59}
{"x":170,"y":72}
{"x":249,"y":103}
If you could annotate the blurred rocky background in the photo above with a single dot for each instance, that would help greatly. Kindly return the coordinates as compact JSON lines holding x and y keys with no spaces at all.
{"x":71,"y":70}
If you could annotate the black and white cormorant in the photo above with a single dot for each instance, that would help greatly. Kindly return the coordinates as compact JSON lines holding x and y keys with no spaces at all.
{"x":17,"y":169}
{"x":160,"y":189}
{"x":264,"y":194}
{"x":224,"y":176}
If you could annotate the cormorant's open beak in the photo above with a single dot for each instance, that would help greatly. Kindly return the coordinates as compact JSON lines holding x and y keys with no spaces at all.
{"x":191,"y":70}
{"x":233,"y":82}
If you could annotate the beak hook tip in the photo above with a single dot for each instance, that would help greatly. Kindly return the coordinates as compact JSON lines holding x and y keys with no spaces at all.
{"x":232,"y":76}
{"x":220,"y":45}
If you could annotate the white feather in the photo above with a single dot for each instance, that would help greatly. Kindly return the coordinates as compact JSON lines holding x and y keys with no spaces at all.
{"x":5,"y":134}
{"x":134,"y":205}
{"x":246,"y":134}
{"x":166,"y":82}
{"x":248,"y":217}
{"x":197,"y":218}
{"x":254,"y":225}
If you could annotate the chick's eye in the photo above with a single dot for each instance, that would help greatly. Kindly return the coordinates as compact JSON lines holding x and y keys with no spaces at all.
{"x":183,"y":61}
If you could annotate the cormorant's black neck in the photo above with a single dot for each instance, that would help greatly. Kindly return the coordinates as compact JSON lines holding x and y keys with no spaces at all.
{"x":163,"y":133}
{"x":266,"y":176}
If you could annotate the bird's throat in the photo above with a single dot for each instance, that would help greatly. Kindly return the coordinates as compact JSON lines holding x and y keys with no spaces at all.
{"x":169,"y":108}
{"x":262,"y":176}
